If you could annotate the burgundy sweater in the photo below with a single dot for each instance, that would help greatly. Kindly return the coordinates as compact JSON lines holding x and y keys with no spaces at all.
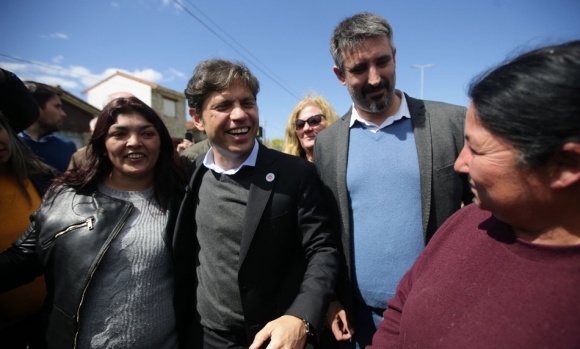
{"x":477,"y":286}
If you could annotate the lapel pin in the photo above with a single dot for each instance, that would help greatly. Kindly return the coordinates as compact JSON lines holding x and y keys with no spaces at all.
{"x":270,"y":177}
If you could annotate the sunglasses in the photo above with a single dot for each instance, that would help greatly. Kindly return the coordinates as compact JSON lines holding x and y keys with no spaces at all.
{"x":312,"y":121}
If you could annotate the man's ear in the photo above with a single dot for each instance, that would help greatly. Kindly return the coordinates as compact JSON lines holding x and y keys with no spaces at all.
{"x":197,"y":120}
{"x":339,"y":75}
{"x":567,"y":163}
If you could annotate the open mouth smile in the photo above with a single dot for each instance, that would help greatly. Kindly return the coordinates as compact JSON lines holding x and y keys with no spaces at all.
{"x":238,"y":131}
{"x":135,"y":156}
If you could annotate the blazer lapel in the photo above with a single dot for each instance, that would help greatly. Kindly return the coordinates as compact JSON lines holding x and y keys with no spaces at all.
{"x":261,"y":186}
{"x":422,"y":132}
{"x":184,"y":239}
{"x":341,"y":165}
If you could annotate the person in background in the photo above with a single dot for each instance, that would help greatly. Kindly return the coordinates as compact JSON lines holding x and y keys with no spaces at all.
{"x":505,"y":271}
{"x":53,"y":149}
{"x":197,"y":149}
{"x":387,"y":167}
{"x":254,"y":257}
{"x":24,"y":180}
{"x":80,"y":156}
{"x":186,"y":142}
{"x":102,"y":236}
{"x":310,"y":116}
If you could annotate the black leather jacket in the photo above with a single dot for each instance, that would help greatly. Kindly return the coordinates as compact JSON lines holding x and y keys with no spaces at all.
{"x":67,"y":238}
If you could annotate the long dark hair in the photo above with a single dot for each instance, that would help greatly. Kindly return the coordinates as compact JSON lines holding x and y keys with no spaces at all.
{"x":169,"y":175}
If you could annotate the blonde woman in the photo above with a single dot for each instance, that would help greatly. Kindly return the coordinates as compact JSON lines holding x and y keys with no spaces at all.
{"x":310,"y":116}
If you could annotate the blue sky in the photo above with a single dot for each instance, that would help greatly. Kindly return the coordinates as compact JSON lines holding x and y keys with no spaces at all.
{"x":75,"y":43}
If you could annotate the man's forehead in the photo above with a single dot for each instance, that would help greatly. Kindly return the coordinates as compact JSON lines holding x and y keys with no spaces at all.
{"x":229,"y":95}
{"x":235,"y":90}
{"x":373,"y":44}
{"x":55,"y":99}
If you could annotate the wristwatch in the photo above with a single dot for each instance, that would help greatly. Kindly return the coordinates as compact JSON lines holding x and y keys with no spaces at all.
{"x":308,"y":328}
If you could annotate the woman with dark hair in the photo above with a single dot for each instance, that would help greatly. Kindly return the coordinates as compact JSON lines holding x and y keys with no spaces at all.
{"x":505,"y":271}
{"x":24,"y":180}
{"x":102,"y":237}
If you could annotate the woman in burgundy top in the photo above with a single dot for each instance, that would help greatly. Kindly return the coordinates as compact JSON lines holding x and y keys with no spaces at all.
{"x":505,"y":272}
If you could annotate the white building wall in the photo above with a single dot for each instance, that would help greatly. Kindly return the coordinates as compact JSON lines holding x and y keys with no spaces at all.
{"x":98,"y":96}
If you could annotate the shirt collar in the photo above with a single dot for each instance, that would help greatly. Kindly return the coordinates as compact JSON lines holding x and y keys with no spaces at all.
{"x":28,"y":137}
{"x":209,"y":161}
{"x":402,"y":112}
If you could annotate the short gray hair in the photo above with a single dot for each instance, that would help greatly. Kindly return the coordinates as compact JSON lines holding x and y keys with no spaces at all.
{"x":349,"y":33}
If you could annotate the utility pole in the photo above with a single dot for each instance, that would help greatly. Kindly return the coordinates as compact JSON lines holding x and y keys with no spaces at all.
{"x":422,"y":67}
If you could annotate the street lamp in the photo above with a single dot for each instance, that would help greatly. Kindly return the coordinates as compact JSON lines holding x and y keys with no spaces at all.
{"x":422,"y":67}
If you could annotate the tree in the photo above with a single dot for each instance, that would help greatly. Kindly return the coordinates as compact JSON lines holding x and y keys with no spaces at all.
{"x":276,"y":143}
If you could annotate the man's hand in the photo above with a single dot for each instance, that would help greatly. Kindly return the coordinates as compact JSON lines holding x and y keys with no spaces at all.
{"x":338,"y":322}
{"x":286,"y":332}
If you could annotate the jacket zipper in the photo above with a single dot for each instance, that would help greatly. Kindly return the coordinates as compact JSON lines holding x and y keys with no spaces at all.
{"x":114,"y":236}
{"x":89,"y":222}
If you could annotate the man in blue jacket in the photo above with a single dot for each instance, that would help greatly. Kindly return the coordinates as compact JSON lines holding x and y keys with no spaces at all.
{"x":53,"y":149}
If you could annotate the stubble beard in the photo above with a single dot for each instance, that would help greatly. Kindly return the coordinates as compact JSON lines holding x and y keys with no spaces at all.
{"x":50,"y":128}
{"x":374,"y":106}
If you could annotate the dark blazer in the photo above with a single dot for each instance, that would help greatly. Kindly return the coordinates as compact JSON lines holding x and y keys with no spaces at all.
{"x":438,"y":129}
{"x":288,"y":263}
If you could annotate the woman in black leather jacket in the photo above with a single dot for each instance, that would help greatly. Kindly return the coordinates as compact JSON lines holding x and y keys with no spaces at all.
{"x":102,"y":237}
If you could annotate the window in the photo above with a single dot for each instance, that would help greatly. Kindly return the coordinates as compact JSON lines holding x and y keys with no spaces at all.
{"x":169,"y":107}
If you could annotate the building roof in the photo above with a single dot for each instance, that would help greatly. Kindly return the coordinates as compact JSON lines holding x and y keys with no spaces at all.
{"x":79,"y":103}
{"x":130,"y":77}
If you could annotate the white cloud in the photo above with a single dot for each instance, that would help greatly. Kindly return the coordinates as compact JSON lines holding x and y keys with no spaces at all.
{"x":173,"y":75}
{"x":55,"y":36}
{"x":58,"y":59}
{"x":85,"y":76}
{"x":75,"y":78}
{"x":177,"y":73}
{"x":65,"y":83}
{"x":14,"y":67}
{"x":72,"y":77}
{"x":44,"y":73}
{"x":148,"y":74}
{"x":145,"y":74}
{"x":176,"y":5}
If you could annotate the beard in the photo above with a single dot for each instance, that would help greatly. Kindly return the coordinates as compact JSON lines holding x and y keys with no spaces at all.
{"x":375,"y":104}
{"x":49,"y":128}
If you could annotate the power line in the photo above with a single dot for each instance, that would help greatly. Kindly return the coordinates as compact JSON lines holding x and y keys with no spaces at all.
{"x":268,"y":75}
{"x":214,"y":24}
